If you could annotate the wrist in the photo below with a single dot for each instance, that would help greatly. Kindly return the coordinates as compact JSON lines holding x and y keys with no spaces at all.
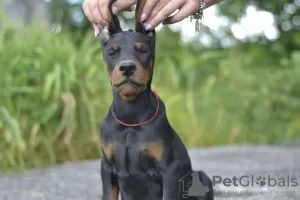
{"x":209,"y":3}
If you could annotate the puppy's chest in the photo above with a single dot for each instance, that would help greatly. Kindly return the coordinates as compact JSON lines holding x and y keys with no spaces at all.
{"x":130,"y":148}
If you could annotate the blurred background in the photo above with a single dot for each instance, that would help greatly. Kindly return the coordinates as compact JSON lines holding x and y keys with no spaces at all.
{"x":235,"y":82}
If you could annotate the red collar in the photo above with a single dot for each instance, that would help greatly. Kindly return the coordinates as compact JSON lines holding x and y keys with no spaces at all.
{"x":146,"y":122}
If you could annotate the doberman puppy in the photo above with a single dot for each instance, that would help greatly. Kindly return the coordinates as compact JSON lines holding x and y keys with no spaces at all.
{"x":143,"y":157}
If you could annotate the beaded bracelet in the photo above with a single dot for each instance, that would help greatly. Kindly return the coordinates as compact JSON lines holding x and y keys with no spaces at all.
{"x":198,"y":15}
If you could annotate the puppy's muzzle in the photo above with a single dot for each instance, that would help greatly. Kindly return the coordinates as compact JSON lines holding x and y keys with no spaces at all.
{"x":127,"y":68}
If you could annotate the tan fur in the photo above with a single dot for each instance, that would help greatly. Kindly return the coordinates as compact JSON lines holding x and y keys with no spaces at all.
{"x":116,"y":47}
{"x":129,"y":91}
{"x":114,"y":193}
{"x":153,"y":149}
{"x":138,"y":45}
{"x":108,"y":149}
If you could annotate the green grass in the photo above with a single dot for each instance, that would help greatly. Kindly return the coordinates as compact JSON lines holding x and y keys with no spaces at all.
{"x":54,"y":96}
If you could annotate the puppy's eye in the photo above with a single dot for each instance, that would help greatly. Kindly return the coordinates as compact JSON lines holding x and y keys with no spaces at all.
{"x":143,"y":51}
{"x":112,"y":54}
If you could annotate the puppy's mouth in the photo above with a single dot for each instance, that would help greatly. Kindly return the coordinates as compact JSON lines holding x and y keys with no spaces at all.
{"x":129,"y":81}
{"x":128,"y":89}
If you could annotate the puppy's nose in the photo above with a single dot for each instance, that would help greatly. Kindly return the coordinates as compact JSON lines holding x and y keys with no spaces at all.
{"x":127,"y":68}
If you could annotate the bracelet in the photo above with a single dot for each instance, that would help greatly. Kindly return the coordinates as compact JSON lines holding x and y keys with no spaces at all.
{"x":198,"y":15}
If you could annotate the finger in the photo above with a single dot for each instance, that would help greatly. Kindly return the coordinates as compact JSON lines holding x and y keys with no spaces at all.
{"x":122,"y":5}
{"x":147,"y":9}
{"x":103,"y":7}
{"x":133,"y":7}
{"x":163,"y":14}
{"x":127,"y":9}
{"x":209,"y":3}
{"x":157,"y":8}
{"x":184,"y":12}
{"x":87,"y":12}
{"x":97,"y":30}
{"x":89,"y":15}
{"x":94,"y":9}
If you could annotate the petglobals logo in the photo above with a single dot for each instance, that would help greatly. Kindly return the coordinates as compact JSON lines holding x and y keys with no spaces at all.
{"x":254,"y":181}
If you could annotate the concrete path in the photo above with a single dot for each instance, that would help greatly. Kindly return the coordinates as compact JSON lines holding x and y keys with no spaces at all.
{"x":279,"y":165}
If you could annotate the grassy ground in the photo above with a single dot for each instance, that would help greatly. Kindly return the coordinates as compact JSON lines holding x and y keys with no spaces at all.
{"x":54,"y":96}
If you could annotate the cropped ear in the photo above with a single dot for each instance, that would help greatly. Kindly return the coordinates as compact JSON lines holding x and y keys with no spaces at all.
{"x":114,"y":23}
{"x":139,"y":27}
{"x":152,"y":36}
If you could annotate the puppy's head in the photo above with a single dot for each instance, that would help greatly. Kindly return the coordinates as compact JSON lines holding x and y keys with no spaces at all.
{"x":129,"y":55}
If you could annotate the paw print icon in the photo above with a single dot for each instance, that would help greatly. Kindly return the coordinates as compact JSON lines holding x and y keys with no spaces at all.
{"x":260,"y":181}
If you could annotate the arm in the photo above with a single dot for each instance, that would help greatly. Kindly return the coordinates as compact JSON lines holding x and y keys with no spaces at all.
{"x":209,"y":3}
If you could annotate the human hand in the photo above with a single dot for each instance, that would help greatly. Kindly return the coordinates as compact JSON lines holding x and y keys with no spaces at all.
{"x":156,"y":12}
{"x":97,"y":11}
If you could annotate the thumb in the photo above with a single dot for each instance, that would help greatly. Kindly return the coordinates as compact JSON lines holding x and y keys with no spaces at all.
{"x":131,"y":8}
{"x":122,"y":5}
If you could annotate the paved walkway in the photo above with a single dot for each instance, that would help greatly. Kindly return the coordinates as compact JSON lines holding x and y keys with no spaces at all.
{"x":81,"y":181}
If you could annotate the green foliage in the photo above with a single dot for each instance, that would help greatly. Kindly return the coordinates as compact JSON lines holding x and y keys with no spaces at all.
{"x":49,"y":98}
{"x":55,"y":94}
{"x":285,"y":12}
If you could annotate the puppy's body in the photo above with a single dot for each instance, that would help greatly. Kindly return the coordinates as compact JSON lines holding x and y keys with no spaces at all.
{"x":143,"y":161}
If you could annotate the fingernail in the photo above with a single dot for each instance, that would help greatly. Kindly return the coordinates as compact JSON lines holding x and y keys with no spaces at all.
{"x":144,"y":17}
{"x":133,"y":7}
{"x":100,"y":26}
{"x":97,"y":33}
{"x":147,"y":26}
{"x":115,"y":10}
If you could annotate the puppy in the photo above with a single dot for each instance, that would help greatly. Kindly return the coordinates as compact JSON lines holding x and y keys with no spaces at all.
{"x":143,"y":157}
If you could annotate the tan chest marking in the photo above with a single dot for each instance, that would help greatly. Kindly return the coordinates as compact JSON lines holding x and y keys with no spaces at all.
{"x":108,"y":149}
{"x":153,"y":149}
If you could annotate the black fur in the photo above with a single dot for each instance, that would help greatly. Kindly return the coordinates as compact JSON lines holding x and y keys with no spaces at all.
{"x":125,"y":166}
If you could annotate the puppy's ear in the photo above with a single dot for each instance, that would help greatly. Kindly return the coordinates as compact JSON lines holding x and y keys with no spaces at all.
{"x":114,"y":23}
{"x":152,"y":37}
{"x":139,"y":27}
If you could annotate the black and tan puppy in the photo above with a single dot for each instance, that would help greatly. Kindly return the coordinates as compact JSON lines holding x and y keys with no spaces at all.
{"x":143,"y":157}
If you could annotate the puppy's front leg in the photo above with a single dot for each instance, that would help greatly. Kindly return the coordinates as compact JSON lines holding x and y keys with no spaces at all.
{"x":110,"y":187}
{"x":171,"y":178}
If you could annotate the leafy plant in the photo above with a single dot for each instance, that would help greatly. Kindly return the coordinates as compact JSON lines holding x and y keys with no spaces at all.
{"x":55,"y":94}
